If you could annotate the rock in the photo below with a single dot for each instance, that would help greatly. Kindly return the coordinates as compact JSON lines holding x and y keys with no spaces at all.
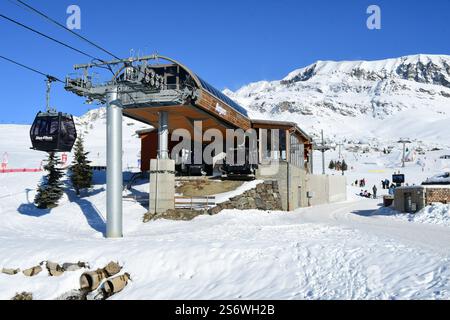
{"x":10,"y":272}
{"x":75,"y":266}
{"x":54,"y":269}
{"x":260,"y":204}
{"x":31,"y":272}
{"x":24,"y":296}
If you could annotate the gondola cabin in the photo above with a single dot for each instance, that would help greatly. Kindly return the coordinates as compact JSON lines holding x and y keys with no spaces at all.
{"x":53,"y":132}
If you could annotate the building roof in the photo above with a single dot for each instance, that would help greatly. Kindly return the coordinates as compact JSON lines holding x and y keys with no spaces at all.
{"x":218,"y":94}
{"x":281,"y":124}
{"x":144,"y":131}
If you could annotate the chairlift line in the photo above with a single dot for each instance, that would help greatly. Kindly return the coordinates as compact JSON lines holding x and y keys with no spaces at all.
{"x":48,"y":37}
{"x":51,"y":131}
{"x":31,"y":69}
{"x":67,"y":29}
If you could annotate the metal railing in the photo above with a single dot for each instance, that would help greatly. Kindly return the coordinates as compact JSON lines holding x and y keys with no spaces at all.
{"x":195,"y":203}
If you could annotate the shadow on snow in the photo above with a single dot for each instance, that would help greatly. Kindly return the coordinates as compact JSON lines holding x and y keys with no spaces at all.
{"x":91,"y":213}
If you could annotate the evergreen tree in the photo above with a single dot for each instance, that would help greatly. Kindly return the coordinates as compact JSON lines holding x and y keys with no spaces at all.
{"x":50,"y":190}
{"x":332,"y":165}
{"x":337,"y":165}
{"x":344,"y":167}
{"x":81,"y":171}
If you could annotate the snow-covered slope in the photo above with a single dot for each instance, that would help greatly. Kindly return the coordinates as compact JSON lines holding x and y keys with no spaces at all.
{"x":385,"y":99}
{"x":92,"y":126}
{"x":15,"y":141}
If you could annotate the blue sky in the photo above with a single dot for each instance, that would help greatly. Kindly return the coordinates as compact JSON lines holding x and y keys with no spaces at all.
{"x":229,"y":43}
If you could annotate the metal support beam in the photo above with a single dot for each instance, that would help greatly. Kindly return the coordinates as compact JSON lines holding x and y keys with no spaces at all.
{"x":163,"y":135}
{"x":322,"y":148}
{"x":404,"y":142}
{"x":114,"y":179}
{"x":323,"y":155}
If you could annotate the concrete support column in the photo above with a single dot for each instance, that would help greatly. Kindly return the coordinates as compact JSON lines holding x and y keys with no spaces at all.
{"x":114,"y":179}
{"x":162,"y":185}
{"x":162,"y":172}
{"x":163,"y":135}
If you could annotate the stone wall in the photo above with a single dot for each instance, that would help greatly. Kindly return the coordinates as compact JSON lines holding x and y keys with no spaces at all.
{"x":265,"y":196}
{"x":291,"y":183}
{"x":438,"y":195}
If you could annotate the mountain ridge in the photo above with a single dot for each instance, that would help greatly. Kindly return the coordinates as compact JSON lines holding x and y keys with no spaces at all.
{"x":326,"y":94}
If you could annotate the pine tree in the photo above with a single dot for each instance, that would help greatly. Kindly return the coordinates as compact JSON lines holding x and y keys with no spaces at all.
{"x":50,"y":190}
{"x":332,"y":165}
{"x":344,"y":167}
{"x":81,"y":171}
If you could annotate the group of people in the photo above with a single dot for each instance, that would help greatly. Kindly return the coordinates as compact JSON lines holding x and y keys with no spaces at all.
{"x":386,"y":184}
{"x":364,"y":193}
{"x":361,"y":183}
{"x":367,"y":194}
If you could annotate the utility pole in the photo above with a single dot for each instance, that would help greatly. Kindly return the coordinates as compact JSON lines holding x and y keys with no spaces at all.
{"x":340,"y":145}
{"x":404,"y":142}
{"x":322,"y":148}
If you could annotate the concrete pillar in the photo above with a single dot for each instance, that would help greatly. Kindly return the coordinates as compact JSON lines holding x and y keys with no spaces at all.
{"x":162,"y":185}
{"x":163,"y":135}
{"x":162,"y":172}
{"x":114,"y":178}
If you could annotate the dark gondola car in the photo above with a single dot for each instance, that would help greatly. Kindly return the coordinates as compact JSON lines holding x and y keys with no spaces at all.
{"x":53,"y":132}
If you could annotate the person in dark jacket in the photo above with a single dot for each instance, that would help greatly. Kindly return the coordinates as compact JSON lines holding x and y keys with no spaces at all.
{"x":374,"y":189}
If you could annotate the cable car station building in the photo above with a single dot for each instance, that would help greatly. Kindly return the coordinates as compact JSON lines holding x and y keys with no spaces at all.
{"x":170,"y":97}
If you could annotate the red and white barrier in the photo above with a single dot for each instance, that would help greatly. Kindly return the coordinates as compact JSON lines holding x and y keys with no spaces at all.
{"x":19,"y":170}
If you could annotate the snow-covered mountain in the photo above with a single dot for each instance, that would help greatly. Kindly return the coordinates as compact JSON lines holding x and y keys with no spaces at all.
{"x":92,"y":125}
{"x":387,"y":99}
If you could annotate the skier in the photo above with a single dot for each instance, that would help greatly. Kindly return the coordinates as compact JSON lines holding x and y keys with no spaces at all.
{"x":383,"y":184}
{"x":374,"y":189}
{"x":392,"y":190}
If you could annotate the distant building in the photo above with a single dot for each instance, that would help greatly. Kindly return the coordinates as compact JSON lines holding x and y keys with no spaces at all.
{"x":415,"y":198}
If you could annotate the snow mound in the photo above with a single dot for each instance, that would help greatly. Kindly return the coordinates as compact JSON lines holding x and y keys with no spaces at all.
{"x":437,"y":213}
{"x":439,"y":179}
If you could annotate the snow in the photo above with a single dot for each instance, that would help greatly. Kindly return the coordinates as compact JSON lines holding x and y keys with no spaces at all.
{"x":373,"y":99}
{"x":349,"y":250}
{"x":437,"y":213}
{"x":246,"y":186}
{"x":441,"y":178}
{"x":339,"y":251}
